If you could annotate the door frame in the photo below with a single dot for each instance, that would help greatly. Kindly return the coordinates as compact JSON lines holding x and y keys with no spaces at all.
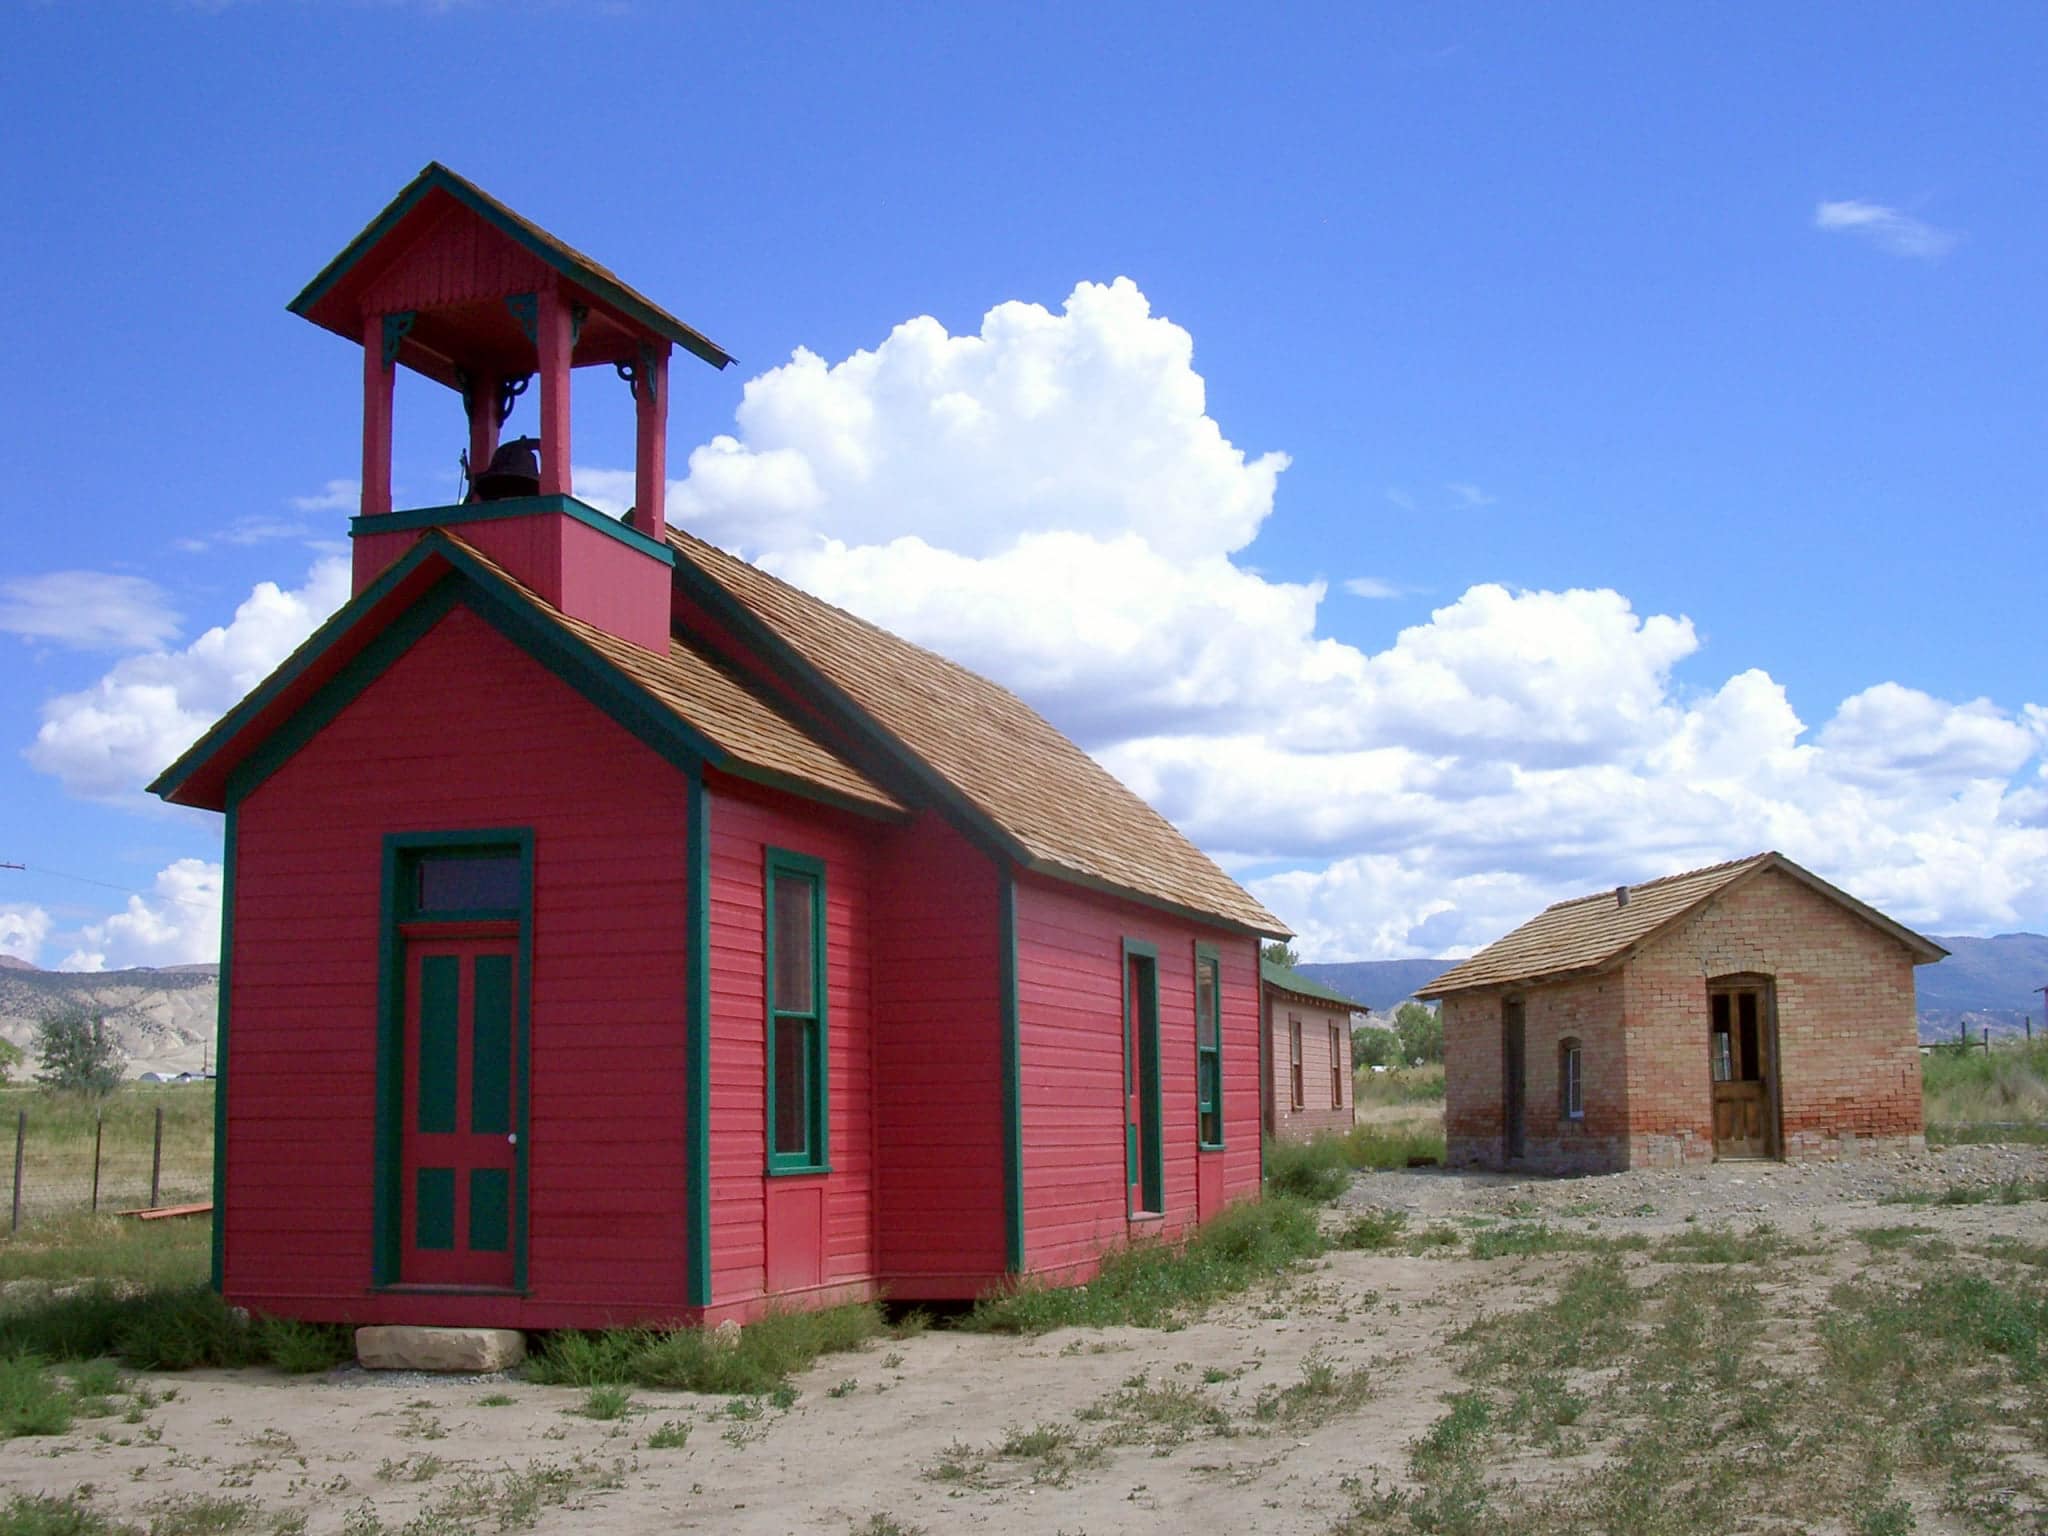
{"x":1767,"y":1041}
{"x":401,"y":851}
{"x":1514,"y":1081}
{"x":1143,"y":1156}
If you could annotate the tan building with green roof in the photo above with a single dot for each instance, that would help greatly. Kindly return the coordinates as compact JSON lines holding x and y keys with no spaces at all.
{"x":1307,"y":1054}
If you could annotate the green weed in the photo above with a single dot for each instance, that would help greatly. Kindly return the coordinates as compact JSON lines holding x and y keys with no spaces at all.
{"x":760,"y":1360}
{"x":1160,"y":1285}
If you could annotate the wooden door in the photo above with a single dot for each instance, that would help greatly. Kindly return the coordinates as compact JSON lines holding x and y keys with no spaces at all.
{"x":460,"y":1142}
{"x":1739,"y":1056}
{"x":1514,"y":1080}
{"x":1145,"y":1169}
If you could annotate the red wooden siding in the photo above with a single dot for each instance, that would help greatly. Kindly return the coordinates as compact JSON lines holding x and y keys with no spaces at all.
{"x":1070,"y":1018}
{"x":745,"y":1202}
{"x":938,"y":1063}
{"x":583,"y":571}
{"x":463,"y":731}
{"x":460,"y":259}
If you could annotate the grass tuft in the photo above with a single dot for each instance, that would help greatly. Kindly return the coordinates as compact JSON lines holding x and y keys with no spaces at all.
{"x":1157,"y":1285}
{"x":756,"y":1363}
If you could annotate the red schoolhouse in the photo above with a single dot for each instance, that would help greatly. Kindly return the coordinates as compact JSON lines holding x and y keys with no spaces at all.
{"x":614,"y":932}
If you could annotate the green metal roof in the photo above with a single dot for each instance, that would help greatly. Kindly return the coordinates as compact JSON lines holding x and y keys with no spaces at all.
{"x":1287,"y":979}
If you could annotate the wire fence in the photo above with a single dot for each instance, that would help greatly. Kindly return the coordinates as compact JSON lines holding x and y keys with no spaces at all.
{"x":66,"y":1157}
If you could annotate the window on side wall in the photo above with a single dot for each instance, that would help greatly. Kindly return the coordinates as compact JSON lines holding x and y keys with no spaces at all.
{"x":1571,"y":1085}
{"x":1208,"y":1048}
{"x":796,"y":986}
{"x":1294,"y":1096}
{"x":1336,"y":1066}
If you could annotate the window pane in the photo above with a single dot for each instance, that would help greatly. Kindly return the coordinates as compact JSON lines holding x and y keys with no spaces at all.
{"x":457,"y":883}
{"x":793,"y":898}
{"x":792,"y":1086}
{"x":1724,"y":1062}
{"x":1205,"y":1002}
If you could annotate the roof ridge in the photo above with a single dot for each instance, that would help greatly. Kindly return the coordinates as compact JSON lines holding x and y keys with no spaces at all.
{"x":1684,"y":874}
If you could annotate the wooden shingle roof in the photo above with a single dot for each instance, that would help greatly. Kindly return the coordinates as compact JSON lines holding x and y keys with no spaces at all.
{"x":1061,"y":812}
{"x":1594,"y":933}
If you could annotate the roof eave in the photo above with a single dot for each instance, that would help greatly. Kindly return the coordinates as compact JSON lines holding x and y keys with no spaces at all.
{"x":437,"y":177}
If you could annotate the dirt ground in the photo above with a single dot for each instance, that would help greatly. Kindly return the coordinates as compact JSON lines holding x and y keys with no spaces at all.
{"x":908,"y":1434}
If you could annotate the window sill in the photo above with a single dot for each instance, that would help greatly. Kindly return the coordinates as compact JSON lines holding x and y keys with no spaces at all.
{"x":1144,"y":1216}
{"x":1209,"y":1146}
{"x":804,"y":1171}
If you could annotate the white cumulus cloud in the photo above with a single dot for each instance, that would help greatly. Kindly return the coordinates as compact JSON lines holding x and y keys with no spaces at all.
{"x":23,"y":927}
{"x":87,"y":610}
{"x":106,"y":742}
{"x":177,"y":924}
{"x":1048,"y":502}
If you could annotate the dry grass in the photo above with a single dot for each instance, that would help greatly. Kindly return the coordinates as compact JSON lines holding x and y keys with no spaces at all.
{"x":57,"y":1147}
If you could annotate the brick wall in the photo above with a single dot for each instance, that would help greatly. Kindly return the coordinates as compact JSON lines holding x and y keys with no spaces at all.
{"x":1316,"y":1113}
{"x":1589,"y":1012}
{"x":1848,"y":1047}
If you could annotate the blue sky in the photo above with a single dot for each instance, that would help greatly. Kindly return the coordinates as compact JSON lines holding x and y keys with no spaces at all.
{"x":1734,"y":316}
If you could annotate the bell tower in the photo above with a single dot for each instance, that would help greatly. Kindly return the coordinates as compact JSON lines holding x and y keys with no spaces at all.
{"x":449,"y":282}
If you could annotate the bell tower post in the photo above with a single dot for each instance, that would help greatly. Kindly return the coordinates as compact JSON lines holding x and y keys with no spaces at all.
{"x":449,"y":282}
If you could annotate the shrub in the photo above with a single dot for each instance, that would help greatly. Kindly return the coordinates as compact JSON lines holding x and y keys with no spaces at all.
{"x":1316,"y":1170}
{"x":77,"y":1053}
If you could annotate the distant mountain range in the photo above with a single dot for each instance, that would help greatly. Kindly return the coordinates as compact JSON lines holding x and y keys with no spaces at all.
{"x":163,"y":1019}
{"x":1992,"y":983}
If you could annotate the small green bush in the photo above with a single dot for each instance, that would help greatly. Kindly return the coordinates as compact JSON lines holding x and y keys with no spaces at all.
{"x":1371,"y":1230}
{"x":304,"y":1348}
{"x":1316,"y":1170}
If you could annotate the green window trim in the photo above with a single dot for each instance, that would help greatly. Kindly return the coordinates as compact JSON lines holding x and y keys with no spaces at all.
{"x":797,"y":1032}
{"x":1145,"y":1154}
{"x":1209,"y":1133}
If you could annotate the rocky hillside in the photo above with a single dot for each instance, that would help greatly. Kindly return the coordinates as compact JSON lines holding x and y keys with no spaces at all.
{"x":163,"y":1019}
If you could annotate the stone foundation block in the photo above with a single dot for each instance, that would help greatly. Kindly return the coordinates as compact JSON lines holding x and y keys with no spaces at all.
{"x":468,"y":1351}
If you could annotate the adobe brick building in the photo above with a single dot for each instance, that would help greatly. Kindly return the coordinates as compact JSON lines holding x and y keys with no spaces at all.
{"x":1307,"y":1055}
{"x":1746,"y":1010}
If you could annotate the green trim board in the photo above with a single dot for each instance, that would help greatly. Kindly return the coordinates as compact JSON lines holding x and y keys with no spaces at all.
{"x":218,"y":1260}
{"x":294,"y":666}
{"x":781,"y":865}
{"x":697,"y":1042}
{"x":512,"y":506}
{"x":562,"y":258}
{"x":1013,"y":1073}
{"x":400,"y":849}
{"x":1145,"y":1155}
{"x":1209,"y":1083}
{"x":469,"y":583}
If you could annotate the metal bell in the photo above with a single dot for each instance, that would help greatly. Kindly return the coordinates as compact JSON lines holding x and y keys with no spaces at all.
{"x":514,"y":471}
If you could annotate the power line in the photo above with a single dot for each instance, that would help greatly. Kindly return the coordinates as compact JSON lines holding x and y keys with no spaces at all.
{"x":126,"y":890}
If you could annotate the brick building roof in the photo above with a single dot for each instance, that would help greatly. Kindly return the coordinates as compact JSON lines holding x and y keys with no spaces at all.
{"x":1588,"y":934}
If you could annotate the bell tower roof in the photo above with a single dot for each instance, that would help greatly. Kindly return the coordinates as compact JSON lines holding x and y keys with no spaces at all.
{"x":445,"y":249}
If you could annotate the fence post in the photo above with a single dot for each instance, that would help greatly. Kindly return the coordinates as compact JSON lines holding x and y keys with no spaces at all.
{"x":20,"y":1135}
{"x":98,"y":1125}
{"x":156,"y":1160}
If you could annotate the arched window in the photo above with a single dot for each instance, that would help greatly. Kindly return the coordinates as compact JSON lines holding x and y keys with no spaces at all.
{"x":1571,"y":1081}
